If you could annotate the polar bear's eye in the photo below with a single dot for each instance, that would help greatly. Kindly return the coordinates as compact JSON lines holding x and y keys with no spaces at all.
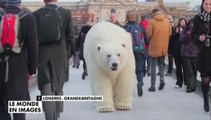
{"x":118,"y":55}
{"x":108,"y":55}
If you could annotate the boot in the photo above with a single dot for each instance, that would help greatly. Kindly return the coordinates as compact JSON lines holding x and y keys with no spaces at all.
{"x":205,"y":90}
{"x":140,"y":90}
{"x":84,"y":75}
{"x":152,"y":88}
{"x":162,"y":84}
{"x":206,"y":103}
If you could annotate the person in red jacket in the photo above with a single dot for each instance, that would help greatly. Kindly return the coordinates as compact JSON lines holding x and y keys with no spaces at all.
{"x":144,"y":23}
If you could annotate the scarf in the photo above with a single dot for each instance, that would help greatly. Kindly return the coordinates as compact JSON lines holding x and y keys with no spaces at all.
{"x":204,"y":16}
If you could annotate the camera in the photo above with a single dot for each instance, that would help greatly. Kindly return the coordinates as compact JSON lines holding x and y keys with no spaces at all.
{"x":207,"y":41}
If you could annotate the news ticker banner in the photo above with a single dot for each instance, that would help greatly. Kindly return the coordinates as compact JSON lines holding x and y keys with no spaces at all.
{"x":36,"y":106}
{"x":70,"y":98}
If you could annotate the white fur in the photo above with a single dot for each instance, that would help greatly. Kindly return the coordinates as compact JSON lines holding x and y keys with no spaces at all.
{"x":111,"y":66}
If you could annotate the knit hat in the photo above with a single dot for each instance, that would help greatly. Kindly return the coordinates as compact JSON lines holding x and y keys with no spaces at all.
{"x":13,"y":2}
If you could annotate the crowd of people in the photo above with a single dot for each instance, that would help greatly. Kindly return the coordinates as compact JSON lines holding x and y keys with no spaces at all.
{"x":186,"y":42}
{"x":182,"y":42}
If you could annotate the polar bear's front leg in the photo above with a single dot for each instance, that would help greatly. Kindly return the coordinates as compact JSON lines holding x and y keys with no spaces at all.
{"x":102,"y":86}
{"x":123,"y":91}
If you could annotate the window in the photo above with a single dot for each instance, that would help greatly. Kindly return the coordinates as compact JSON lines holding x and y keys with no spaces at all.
{"x":113,"y":10}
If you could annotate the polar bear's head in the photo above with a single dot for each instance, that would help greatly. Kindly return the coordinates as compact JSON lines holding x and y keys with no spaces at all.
{"x":112,"y":57}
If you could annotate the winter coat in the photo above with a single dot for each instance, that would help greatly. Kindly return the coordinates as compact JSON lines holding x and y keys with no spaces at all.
{"x":23,"y":64}
{"x":189,"y":47}
{"x":158,"y":32}
{"x":176,"y":45}
{"x":171,"y":45}
{"x":52,"y":63}
{"x":81,"y":39}
{"x":144,"y":24}
{"x":139,"y":56}
{"x":204,"y":55}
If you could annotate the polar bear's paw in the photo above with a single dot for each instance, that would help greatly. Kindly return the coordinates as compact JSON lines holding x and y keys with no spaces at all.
{"x":121,"y":106}
{"x":105,"y":109}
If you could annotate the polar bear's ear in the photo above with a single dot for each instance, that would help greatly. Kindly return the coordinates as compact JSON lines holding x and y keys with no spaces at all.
{"x":123,"y":45}
{"x":99,"y":47}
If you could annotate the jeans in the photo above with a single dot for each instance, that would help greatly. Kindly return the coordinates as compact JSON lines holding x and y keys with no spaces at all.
{"x":140,"y":63}
{"x":160,"y":61}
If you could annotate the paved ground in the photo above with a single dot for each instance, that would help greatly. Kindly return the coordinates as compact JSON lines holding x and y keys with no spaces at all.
{"x":168,"y":104}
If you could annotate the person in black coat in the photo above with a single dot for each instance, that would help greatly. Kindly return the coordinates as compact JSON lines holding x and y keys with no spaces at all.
{"x":201,"y":29}
{"x":170,"y":57}
{"x":176,"y":52}
{"x":80,"y":45}
{"x":75,"y":54}
{"x":21,"y":66}
{"x":52,"y":63}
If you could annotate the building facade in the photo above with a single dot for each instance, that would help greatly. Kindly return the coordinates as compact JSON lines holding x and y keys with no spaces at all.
{"x":84,"y":10}
{"x":150,"y":1}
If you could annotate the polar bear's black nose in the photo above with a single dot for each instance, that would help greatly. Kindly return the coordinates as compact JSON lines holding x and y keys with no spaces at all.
{"x":114,"y":64}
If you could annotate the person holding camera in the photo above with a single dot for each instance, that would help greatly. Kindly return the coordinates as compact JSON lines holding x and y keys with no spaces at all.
{"x":200,"y":31}
{"x":176,"y":52}
{"x":189,"y":50}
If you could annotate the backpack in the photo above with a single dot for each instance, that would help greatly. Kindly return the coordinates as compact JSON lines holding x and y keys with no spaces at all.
{"x":10,"y":42}
{"x":49,"y":25}
{"x":137,"y":37}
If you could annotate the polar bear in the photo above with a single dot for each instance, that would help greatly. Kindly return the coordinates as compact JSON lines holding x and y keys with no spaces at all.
{"x":111,"y":66}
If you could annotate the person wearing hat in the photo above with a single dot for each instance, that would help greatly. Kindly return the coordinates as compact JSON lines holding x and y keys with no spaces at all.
{"x":158,"y":32}
{"x":21,"y":66}
{"x":52,"y":64}
{"x":202,"y":29}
